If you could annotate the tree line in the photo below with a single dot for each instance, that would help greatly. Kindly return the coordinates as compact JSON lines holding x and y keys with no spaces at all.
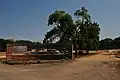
{"x":109,"y":43}
{"x":29,"y":44}
{"x":106,"y":43}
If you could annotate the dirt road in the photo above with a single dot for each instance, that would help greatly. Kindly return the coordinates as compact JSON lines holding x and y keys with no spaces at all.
{"x":88,"y":68}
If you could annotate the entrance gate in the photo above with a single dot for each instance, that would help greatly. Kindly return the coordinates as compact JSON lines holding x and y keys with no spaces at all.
{"x":10,"y":55}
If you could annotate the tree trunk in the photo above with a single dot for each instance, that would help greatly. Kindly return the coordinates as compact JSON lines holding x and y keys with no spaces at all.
{"x":76,"y":54}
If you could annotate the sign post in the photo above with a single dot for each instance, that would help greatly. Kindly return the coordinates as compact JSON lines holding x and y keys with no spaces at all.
{"x":70,"y":52}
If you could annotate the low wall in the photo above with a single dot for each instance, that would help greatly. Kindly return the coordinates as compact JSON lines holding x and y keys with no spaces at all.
{"x":38,"y":57}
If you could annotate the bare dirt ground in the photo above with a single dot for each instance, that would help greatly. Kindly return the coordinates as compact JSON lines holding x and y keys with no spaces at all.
{"x":95,"y":67}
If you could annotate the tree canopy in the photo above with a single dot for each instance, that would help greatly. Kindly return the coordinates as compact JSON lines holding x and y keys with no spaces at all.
{"x":62,"y":24}
{"x":88,"y":31}
{"x":82,"y":31}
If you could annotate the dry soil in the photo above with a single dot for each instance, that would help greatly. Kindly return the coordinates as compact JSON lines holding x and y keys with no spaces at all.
{"x":95,"y":67}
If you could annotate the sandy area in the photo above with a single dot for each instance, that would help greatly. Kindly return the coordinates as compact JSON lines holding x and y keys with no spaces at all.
{"x":88,"y":68}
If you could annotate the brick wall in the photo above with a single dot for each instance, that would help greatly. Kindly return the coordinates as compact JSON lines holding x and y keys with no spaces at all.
{"x":38,"y":57}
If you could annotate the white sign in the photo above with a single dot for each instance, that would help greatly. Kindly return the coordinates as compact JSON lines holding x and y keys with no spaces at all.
{"x":19,"y":48}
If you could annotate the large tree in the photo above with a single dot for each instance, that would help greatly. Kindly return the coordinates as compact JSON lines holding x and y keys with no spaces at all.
{"x":88,"y":31}
{"x":83,"y":32}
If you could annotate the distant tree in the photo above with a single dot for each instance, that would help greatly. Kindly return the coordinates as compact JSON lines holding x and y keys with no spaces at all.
{"x":9,"y":41}
{"x":117,"y":42}
{"x":23,"y":42}
{"x":4,"y":42}
{"x":29,"y":44}
{"x":37,"y":45}
{"x":2,"y":45}
{"x":107,"y":43}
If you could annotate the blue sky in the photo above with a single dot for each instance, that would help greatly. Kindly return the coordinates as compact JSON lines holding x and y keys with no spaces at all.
{"x":27,"y":19}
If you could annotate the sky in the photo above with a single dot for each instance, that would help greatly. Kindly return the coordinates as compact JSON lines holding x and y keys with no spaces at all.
{"x":27,"y":19}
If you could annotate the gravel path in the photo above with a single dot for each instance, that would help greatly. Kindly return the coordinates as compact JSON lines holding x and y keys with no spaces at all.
{"x":97,"y":67}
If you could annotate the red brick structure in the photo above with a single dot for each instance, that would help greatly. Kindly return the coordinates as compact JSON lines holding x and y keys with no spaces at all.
{"x":26,"y":57}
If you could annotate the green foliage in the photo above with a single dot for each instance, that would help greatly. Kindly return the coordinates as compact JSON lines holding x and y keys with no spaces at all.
{"x":29,"y":44}
{"x":37,"y":45}
{"x":62,"y":24}
{"x":109,"y":43}
{"x":83,"y":32}
{"x":88,"y":31}
{"x":82,"y":14}
{"x":2,"y":45}
{"x":23,"y":42}
{"x":117,"y":42}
